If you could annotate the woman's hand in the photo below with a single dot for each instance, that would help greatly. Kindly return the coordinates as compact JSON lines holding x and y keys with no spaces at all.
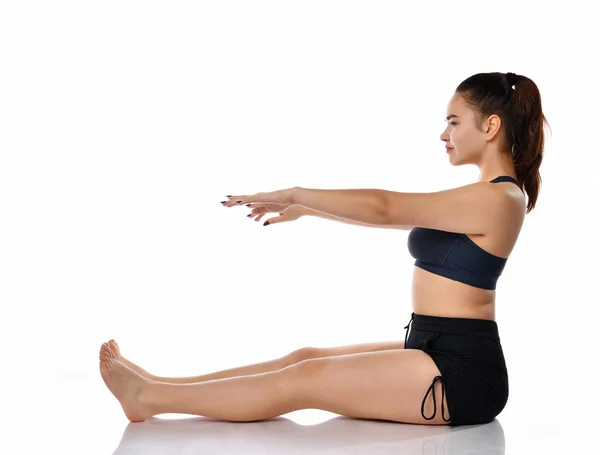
{"x":291,"y":213}
{"x":282,"y":198}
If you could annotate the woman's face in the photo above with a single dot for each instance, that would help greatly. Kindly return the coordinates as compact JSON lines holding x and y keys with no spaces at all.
{"x":466,"y":140}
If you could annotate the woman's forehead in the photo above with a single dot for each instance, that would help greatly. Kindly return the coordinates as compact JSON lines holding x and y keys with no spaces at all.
{"x":457,"y":107}
{"x":456,"y":103}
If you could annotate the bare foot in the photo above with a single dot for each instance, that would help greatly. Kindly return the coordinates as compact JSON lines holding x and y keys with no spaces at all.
{"x":125,"y":384}
{"x":114,"y":347}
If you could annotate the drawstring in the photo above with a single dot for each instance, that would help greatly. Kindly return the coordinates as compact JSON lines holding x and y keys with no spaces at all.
{"x":431,"y":388}
{"x":406,"y":327}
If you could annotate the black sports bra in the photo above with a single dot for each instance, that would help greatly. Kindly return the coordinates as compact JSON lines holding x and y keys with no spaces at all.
{"x":456,"y":256}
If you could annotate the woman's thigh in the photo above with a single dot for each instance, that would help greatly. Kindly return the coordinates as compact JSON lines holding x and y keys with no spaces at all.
{"x":310,"y":352}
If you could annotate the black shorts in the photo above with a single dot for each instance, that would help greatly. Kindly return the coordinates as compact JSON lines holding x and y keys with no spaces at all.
{"x":469,"y":356}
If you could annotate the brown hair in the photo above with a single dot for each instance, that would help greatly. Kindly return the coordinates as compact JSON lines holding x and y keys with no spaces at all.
{"x":521,"y":113}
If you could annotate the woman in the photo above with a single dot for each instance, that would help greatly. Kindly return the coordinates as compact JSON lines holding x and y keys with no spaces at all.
{"x":460,"y":239}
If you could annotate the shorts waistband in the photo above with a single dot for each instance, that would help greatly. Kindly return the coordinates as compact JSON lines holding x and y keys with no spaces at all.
{"x":456,"y":326}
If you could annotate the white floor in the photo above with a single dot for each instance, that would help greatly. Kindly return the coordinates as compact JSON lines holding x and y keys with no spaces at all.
{"x":81,"y":417}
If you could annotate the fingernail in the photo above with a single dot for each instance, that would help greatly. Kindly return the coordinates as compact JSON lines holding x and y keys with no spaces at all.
{"x":237,"y":202}
{"x":248,"y":205}
{"x":249,"y":214}
{"x":223,"y":202}
{"x":228,"y":196}
{"x":266,"y":223}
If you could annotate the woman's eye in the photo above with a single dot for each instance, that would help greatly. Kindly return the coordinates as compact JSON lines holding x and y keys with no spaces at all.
{"x":452,"y":123}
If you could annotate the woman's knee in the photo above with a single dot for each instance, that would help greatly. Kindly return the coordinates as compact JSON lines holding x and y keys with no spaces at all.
{"x":301,"y":354}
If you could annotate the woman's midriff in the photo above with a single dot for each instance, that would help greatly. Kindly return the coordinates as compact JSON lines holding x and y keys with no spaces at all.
{"x":436,"y":295}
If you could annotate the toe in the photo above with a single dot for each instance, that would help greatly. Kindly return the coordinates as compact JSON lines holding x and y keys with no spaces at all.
{"x":114,"y":347}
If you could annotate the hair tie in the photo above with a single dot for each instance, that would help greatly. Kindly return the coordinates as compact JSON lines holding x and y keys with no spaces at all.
{"x":511,"y":78}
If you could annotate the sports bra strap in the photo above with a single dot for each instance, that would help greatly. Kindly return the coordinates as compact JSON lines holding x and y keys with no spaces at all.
{"x":504,"y":178}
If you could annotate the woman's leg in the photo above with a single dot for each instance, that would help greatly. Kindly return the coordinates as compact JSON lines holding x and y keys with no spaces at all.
{"x":263,"y":367}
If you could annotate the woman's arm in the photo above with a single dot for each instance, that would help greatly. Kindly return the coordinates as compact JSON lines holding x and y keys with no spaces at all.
{"x":361,"y":205}
{"x":310,"y":212}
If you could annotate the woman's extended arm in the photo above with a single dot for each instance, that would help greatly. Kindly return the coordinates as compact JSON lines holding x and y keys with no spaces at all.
{"x":310,"y":212}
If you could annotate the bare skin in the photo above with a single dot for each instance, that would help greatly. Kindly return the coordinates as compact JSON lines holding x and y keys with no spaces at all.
{"x":116,"y":350}
{"x":245,"y":398}
{"x":263,"y":367}
{"x":125,"y":384}
{"x":343,"y":384}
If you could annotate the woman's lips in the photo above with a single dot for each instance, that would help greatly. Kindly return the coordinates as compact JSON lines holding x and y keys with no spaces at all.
{"x":449,"y":148}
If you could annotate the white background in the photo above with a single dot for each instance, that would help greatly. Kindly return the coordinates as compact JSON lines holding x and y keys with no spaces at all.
{"x":123,"y":124}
